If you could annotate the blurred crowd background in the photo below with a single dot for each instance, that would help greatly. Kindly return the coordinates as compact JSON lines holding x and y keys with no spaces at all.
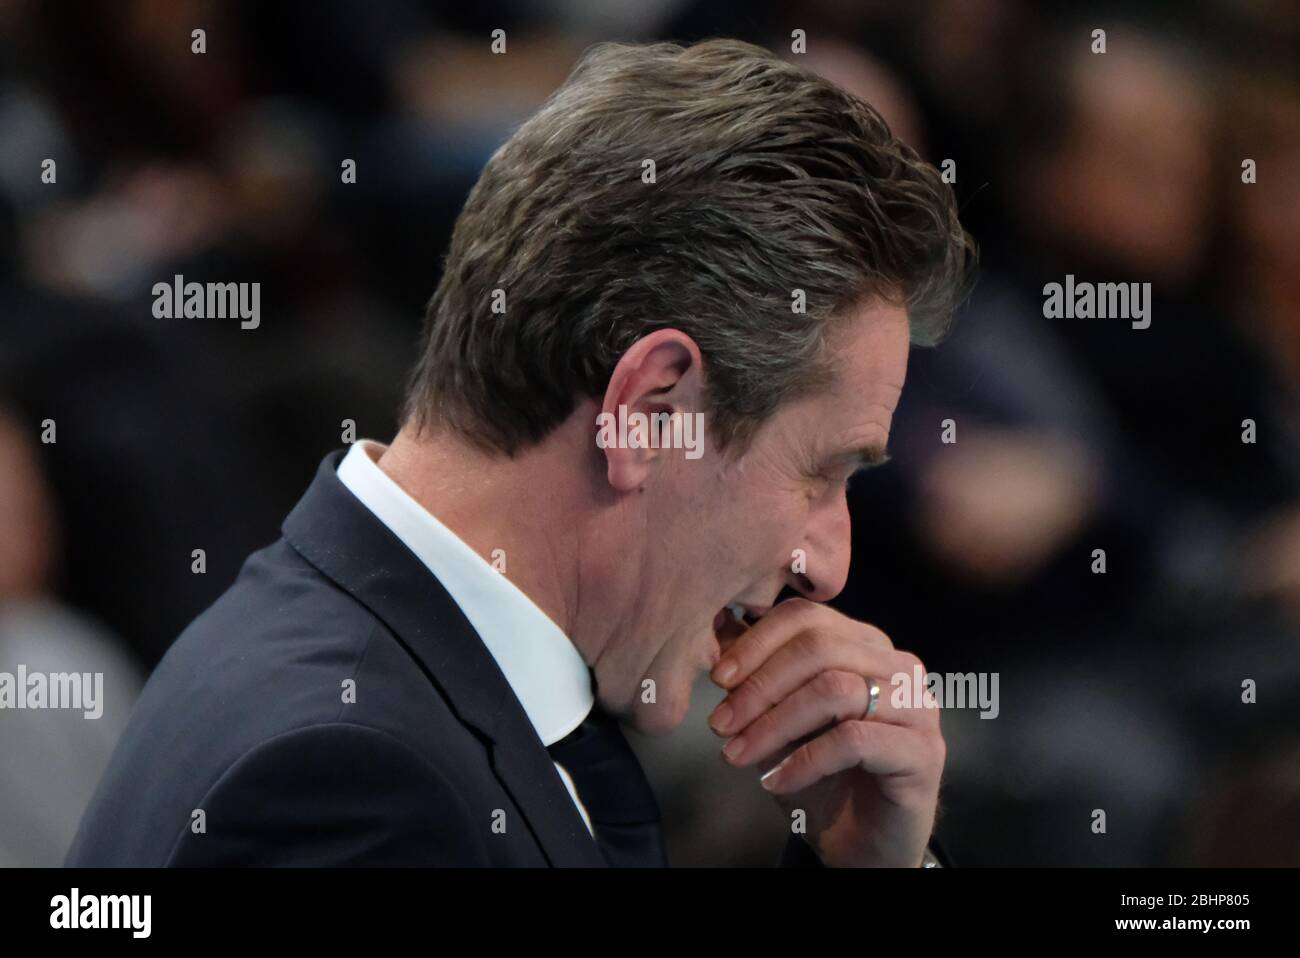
{"x":1119,"y":691}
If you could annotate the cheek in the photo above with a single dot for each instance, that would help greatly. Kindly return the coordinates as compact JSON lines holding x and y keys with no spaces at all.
{"x":785,"y":513}
{"x":750,"y":520}
{"x":765,"y":546}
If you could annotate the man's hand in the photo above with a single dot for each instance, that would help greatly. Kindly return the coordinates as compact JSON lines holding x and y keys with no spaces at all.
{"x":798,"y":683}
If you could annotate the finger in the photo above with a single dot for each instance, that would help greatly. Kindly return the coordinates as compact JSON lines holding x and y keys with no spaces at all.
{"x":877,"y":748}
{"x":781,"y":624}
{"x":798,"y":662}
{"x":759,"y":641}
{"x":831,"y":696}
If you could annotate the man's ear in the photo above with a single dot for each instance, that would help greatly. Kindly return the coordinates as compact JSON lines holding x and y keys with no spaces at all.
{"x":660,"y":374}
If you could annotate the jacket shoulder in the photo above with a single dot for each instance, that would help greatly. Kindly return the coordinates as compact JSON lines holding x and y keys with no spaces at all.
{"x":287,"y":701}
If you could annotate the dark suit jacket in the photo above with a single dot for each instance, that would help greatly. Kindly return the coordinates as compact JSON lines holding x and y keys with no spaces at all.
{"x":242,"y":750}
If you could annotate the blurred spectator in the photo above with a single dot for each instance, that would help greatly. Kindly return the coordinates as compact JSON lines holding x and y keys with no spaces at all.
{"x":52,"y":757}
{"x":1072,"y":435}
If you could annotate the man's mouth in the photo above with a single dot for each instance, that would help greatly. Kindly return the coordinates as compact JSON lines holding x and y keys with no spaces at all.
{"x":731,"y":622}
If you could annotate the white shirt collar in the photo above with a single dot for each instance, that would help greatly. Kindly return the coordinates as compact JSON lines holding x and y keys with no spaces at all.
{"x":541,"y":665}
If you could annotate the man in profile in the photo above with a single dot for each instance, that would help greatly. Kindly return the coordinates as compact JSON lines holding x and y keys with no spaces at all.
{"x":431,"y":666}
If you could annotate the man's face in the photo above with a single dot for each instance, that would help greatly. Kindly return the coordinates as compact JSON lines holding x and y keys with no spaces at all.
{"x":718,"y":532}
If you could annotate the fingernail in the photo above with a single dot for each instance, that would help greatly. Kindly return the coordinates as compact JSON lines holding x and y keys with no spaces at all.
{"x":721,"y":718}
{"x":724,"y":671}
{"x":733,"y":748}
{"x":769,"y":779}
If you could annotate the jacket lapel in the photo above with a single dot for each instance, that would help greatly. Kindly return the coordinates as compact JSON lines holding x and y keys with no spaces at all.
{"x":333,"y":531}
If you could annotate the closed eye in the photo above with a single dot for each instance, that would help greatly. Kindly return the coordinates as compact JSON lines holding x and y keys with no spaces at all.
{"x":844,"y":470}
{"x":865,"y":467}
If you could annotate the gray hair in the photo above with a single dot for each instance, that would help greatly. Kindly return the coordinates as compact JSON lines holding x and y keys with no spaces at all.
{"x":768,"y":179}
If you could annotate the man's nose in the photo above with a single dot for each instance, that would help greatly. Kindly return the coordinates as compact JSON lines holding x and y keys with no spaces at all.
{"x":827,"y":547}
